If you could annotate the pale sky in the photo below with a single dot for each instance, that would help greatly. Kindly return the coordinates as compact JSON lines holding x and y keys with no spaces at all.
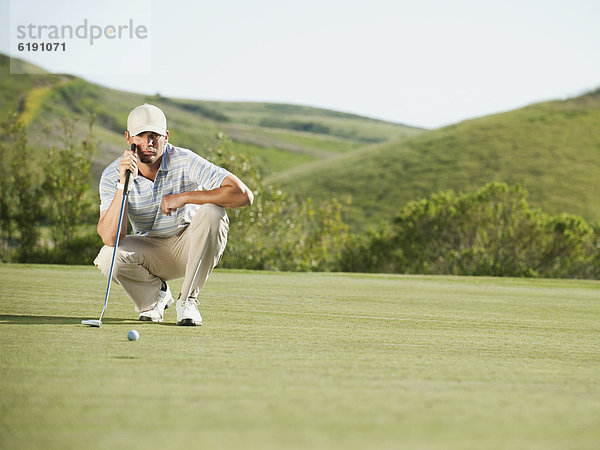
{"x":426,"y":63}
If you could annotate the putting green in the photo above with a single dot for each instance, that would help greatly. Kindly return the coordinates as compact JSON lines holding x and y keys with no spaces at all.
{"x":303,"y":360}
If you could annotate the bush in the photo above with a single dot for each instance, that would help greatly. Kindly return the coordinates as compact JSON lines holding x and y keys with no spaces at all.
{"x":491,"y":232}
{"x":570,"y":248}
{"x":277,"y":233}
{"x":54,"y":190}
{"x":21,"y":192}
{"x":66,"y":184}
{"x":81,"y":249}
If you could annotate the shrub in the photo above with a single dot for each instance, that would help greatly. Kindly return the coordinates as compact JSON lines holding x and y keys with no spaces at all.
{"x":276,"y":232}
{"x":490,"y":232}
{"x":21,"y":191}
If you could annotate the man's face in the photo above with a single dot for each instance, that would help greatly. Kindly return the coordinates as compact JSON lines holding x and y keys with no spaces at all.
{"x":150,"y":146}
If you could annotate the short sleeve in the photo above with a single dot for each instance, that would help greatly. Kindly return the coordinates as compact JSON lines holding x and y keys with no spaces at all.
{"x":108,"y":185}
{"x":205,"y":174}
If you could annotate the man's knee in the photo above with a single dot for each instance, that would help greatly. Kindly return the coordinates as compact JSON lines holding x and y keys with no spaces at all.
{"x":124,"y":255}
{"x":212,"y":216}
{"x":103,"y":260}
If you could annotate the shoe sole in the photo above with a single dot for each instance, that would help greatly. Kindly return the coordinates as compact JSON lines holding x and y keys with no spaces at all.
{"x":148,"y":319}
{"x":188,"y":323}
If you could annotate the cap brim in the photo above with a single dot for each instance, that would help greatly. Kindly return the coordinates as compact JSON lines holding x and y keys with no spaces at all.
{"x":139,"y":130}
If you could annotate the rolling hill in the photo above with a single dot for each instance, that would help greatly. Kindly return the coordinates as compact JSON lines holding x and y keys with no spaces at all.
{"x":552,"y":149}
{"x":278,"y":136}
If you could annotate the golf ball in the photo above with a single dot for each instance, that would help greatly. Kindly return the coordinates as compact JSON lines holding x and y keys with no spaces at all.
{"x":133,"y":335}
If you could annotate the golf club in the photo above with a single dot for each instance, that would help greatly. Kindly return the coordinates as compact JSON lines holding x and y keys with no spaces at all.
{"x":98,"y":323}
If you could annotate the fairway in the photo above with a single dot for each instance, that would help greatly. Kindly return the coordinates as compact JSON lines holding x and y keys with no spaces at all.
{"x":302,"y":360}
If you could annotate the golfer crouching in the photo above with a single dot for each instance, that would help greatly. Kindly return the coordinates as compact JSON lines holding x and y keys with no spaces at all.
{"x":176,"y":207}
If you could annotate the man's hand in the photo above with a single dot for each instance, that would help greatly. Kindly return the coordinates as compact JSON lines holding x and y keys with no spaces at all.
{"x":128,"y":162}
{"x":172,"y":202}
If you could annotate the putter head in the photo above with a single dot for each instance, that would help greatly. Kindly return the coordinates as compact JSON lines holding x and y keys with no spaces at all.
{"x":92,"y":323}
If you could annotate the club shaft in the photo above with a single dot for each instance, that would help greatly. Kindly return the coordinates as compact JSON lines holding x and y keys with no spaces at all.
{"x":112,"y":263}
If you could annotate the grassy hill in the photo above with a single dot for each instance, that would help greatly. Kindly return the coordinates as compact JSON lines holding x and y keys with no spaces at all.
{"x":23,"y":93}
{"x":279,"y":136}
{"x":551,"y":148}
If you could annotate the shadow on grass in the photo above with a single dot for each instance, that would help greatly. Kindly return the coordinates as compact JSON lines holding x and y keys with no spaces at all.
{"x":17,"y":319}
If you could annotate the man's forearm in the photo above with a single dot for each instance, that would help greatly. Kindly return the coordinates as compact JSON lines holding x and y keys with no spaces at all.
{"x":227,"y":196}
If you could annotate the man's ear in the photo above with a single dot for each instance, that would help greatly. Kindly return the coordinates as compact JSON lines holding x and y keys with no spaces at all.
{"x":127,"y":137}
{"x":167,"y":136}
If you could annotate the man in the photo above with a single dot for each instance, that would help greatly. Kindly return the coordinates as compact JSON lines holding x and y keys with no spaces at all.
{"x":176,"y":207}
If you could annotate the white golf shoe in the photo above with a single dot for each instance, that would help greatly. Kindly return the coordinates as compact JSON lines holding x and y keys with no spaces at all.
{"x":187,"y":312}
{"x":156,"y":314}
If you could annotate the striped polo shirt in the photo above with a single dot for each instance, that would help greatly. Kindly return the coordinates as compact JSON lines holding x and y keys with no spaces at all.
{"x":181,"y":170}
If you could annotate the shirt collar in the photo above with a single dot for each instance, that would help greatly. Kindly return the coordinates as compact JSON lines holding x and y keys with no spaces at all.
{"x":166,"y":158}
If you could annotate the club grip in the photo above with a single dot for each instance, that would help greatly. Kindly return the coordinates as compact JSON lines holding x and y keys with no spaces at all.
{"x":128,"y":174}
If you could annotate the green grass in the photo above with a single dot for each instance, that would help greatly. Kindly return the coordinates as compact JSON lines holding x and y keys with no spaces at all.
{"x":322,"y":142}
{"x":348,"y":126}
{"x":552,"y":149}
{"x":14,"y":89}
{"x":272,"y":159}
{"x":302,"y":361}
{"x":43,"y":99}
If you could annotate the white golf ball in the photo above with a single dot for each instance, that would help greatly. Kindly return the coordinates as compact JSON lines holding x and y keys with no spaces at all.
{"x":133,"y":335}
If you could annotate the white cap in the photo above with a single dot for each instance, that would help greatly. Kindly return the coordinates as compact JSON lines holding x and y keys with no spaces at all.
{"x":147,"y":118}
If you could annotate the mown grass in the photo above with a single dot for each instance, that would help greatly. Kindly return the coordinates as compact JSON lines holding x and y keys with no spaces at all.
{"x":302,"y":360}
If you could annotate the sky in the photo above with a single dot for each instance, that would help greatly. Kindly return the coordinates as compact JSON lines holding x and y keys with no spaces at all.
{"x":425,"y":63}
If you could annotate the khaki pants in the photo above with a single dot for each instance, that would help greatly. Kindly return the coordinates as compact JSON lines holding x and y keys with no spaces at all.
{"x":142,"y":263}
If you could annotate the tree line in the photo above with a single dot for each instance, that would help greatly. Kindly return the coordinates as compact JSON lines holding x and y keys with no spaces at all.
{"x":48,"y":214}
